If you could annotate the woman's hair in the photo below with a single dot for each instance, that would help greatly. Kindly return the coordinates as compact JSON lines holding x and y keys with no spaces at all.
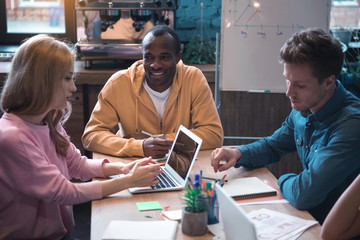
{"x":317,"y":48}
{"x":38,"y":67}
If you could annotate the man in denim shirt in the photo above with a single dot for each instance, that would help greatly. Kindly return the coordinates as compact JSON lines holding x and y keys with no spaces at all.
{"x":323,"y":127}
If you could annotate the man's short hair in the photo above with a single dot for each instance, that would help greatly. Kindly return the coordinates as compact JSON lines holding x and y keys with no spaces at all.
{"x":317,"y":48}
{"x":161,"y":30}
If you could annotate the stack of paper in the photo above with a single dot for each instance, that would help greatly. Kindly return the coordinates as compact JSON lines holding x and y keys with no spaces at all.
{"x":150,"y":230}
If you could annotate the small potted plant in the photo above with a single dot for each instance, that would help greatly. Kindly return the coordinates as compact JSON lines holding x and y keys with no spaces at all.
{"x":194,"y":214}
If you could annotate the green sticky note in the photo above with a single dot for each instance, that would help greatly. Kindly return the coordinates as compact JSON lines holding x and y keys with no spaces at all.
{"x":146,"y":206}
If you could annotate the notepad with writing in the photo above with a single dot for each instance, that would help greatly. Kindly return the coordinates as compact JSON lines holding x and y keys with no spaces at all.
{"x":248,"y":187}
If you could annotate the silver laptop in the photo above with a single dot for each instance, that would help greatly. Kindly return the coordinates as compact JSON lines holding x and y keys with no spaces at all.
{"x":235,"y":222}
{"x":179,"y":163}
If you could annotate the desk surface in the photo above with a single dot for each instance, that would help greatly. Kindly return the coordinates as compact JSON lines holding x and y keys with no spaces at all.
{"x":123,"y":207}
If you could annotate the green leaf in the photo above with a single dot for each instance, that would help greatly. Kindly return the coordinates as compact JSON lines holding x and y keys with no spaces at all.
{"x":194,"y":200}
{"x":199,"y":52}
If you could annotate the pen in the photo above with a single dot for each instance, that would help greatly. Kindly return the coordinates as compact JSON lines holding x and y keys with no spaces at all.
{"x":190,"y":182}
{"x":222,"y":181}
{"x":213,"y":192}
{"x":214,"y":179}
{"x":146,"y":133}
{"x":196,"y":182}
{"x":153,"y":135}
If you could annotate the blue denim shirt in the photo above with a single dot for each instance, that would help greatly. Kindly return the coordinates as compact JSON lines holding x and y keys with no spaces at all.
{"x":328,"y":145}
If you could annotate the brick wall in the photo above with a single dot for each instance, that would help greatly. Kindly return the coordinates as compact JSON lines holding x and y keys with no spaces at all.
{"x":188,"y":18}
{"x":28,"y":14}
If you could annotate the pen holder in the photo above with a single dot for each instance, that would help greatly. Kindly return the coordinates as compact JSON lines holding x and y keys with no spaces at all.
{"x":212,"y":207}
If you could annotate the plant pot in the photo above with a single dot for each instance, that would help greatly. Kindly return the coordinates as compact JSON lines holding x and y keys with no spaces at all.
{"x":194,"y":224}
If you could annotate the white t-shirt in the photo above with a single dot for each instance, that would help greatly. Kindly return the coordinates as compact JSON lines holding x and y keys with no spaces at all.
{"x":159,"y":98}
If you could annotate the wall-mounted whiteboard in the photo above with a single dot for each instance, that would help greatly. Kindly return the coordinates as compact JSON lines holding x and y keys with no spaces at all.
{"x":251,"y":38}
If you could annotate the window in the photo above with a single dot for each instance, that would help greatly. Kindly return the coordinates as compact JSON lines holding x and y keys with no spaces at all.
{"x":38,"y":3}
{"x":20,"y":19}
{"x":345,"y":13}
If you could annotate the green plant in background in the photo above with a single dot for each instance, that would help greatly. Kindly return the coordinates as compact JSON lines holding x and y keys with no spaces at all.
{"x":350,"y":76}
{"x":356,"y":73}
{"x":195,"y":201}
{"x":199,"y":51}
{"x":354,"y":69}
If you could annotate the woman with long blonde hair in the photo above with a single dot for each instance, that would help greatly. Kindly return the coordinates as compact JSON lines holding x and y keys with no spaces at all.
{"x":37,"y":159}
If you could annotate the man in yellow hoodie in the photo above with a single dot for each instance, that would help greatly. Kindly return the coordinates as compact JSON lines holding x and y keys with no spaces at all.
{"x":155,"y":95}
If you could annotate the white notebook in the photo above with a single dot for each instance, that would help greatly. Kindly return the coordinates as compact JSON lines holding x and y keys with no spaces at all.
{"x":149,"y":230}
{"x":248,"y":187}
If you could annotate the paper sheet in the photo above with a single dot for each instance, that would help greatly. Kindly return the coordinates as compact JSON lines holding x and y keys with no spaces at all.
{"x":149,"y":230}
{"x":271,"y":224}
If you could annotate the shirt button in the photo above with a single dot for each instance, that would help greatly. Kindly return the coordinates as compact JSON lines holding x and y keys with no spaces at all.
{"x":306,"y":147}
{"x":308,"y":124}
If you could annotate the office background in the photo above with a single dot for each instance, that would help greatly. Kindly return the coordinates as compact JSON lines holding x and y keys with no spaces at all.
{"x":249,"y":115}
{"x":245,"y":116}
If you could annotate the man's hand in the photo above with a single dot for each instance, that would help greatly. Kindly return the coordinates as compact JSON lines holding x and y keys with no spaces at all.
{"x":157,"y":146}
{"x":224,"y":158}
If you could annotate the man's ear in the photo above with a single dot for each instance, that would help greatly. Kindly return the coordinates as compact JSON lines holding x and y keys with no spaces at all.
{"x":178,"y":57}
{"x":330,"y":81}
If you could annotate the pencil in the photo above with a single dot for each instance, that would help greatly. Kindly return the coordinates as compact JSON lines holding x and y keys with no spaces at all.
{"x":146,"y":133}
{"x":214,"y":179}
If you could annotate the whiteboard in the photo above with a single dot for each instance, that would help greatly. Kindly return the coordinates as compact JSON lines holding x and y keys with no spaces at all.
{"x":251,"y":39}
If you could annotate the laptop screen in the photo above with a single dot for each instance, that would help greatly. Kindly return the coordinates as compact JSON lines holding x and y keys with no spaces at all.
{"x":180,"y":161}
{"x":182,"y":154}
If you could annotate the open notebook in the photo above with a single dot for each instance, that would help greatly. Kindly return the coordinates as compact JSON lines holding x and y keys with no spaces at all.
{"x":178,"y":165}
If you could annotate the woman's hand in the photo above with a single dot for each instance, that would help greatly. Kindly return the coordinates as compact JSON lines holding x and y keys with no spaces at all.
{"x":127,"y":167}
{"x":144,"y":173}
{"x":139,"y":173}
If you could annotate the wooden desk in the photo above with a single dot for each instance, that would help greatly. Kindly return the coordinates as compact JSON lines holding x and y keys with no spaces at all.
{"x":123,"y":207}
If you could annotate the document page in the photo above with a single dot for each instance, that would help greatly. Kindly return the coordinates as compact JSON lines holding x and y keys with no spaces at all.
{"x":147,"y":230}
{"x":276,"y":225}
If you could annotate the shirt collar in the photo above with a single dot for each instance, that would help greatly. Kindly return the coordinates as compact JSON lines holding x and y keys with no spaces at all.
{"x":333,"y":105}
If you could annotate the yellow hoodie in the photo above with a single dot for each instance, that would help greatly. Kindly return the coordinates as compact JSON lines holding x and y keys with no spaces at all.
{"x":123,"y":101}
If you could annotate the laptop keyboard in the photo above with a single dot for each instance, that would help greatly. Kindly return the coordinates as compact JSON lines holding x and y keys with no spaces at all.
{"x":164,"y":181}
